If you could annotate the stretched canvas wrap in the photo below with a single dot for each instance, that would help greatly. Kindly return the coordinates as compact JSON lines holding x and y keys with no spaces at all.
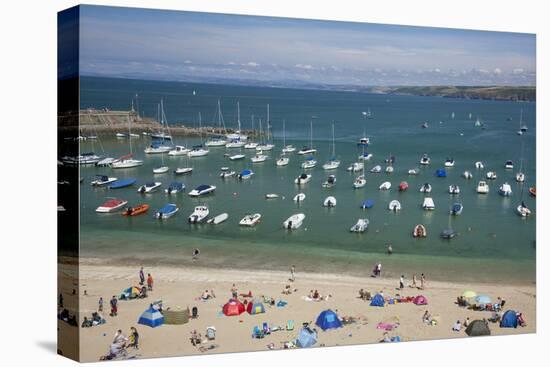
{"x":234,"y":183}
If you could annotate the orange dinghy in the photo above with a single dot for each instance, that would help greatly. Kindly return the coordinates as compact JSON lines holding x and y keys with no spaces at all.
{"x":533,"y":191}
{"x":140,"y":209}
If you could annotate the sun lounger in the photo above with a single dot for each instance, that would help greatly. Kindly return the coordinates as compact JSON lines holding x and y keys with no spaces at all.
{"x":257,"y":333}
{"x":290,"y":325}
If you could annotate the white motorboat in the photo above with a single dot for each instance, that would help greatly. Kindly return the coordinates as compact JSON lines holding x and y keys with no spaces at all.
{"x":302,"y":179}
{"x":359,"y":182}
{"x":250,"y":220}
{"x":449,"y":162}
{"x":309,"y":163}
{"x":426,"y":188}
{"x":220,"y":218}
{"x":479,"y":165}
{"x":157,"y":148}
{"x":161,"y":169}
{"x":394,"y":205}
{"x":294,"y":221}
{"x":385,"y":186}
{"x":179,"y":150}
{"x":183,"y":170}
{"x":197,"y":151}
{"x":251,"y":145}
{"x":523,"y":210}
{"x":227,"y":173}
{"x":282,"y":161}
{"x":428,"y":204}
{"x":356,"y":167}
{"x":259,"y":157}
{"x":389,"y":169}
{"x":413,"y":172}
{"x":454,"y":189}
{"x":482,"y":187}
{"x":360,"y":227}
{"x":329,"y":202}
{"x":216,"y":141}
{"x":419,"y":231}
{"x":236,"y":157}
{"x":149,"y":187}
{"x":467,"y":175}
{"x":271,"y":196}
{"x":376,"y":169}
{"x":289,"y":149}
{"x":245,"y":174}
{"x":330,"y":165}
{"x":111,"y":205}
{"x":330,"y":182}
{"x":520,"y":177}
{"x":102,"y":180}
{"x":299,"y":197}
{"x":199,"y":214}
{"x":425,"y":160}
{"x":84,"y":159}
{"x":265,"y":147}
{"x":174,"y":188}
{"x":307,"y":150}
{"x":509,"y":164}
{"x":491,"y":175}
{"x":365,"y":156}
{"x":202,"y":190}
{"x":126,"y":163}
{"x":505,"y":189}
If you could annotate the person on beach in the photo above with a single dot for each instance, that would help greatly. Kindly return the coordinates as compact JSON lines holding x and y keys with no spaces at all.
{"x":379,"y":269}
{"x":457,"y":326}
{"x":386,"y":338}
{"x":141,"y":276}
{"x":100,"y":305}
{"x":114,"y":306}
{"x":120,"y":339}
{"x":427,"y":318}
{"x":196,"y":253}
{"x":390,"y":249}
{"x":402,"y":282}
{"x":234,"y":291}
{"x":60,"y":301}
{"x":422,"y":281}
{"x":149,"y":282}
{"x":292,"y":270}
{"x":467,"y":322}
{"x":134,"y":338}
{"x":414,"y":281}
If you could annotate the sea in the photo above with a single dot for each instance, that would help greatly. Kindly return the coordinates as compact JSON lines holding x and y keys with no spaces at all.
{"x":494,"y":244}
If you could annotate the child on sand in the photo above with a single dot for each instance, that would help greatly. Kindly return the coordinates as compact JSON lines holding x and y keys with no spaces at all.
{"x":457,"y":326}
{"x":100,"y":305}
{"x":141,"y":276}
{"x":134,"y":338}
{"x":149,"y":282}
{"x":402,"y":282}
{"x":114,"y":306}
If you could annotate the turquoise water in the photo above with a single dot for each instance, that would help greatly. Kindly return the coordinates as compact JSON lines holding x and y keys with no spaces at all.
{"x":494,"y":242}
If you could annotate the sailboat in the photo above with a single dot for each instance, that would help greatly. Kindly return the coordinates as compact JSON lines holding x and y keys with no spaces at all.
{"x":283,"y":159}
{"x":522,"y":126}
{"x":198,"y":150}
{"x":365,"y":141}
{"x":520,"y":176}
{"x":309,"y":149}
{"x":266,"y":146}
{"x":287,"y":148}
{"x":237,"y":143}
{"x":449,"y":232}
{"x":218,"y":141}
{"x":127,"y":161}
{"x":251,"y":144}
{"x":333,"y":163}
{"x":158,"y":145}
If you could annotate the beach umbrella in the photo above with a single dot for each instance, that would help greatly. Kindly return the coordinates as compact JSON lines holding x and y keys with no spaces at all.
{"x":483,"y":299}
{"x":469,"y":294}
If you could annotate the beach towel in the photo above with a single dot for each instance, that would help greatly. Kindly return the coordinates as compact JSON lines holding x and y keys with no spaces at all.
{"x":290,"y":325}
{"x":386,"y":326}
{"x":282,"y":303}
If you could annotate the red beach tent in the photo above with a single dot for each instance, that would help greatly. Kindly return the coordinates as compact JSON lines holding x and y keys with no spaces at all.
{"x":233,"y":308}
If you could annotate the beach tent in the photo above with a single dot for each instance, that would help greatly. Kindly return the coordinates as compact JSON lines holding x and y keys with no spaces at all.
{"x":151,"y":317}
{"x":176,"y":316}
{"x":255,"y":307}
{"x":377,"y":300}
{"x":233,"y":308}
{"x":469,"y":294}
{"x":509,"y":319}
{"x":483,"y":300}
{"x":328,"y":319}
{"x":129,"y":293}
{"x":306,"y":338}
{"x":441,"y":173}
{"x":478,"y":328}
{"x":420,"y":300}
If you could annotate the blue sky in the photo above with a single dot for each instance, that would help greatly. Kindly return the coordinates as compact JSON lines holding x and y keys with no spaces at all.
{"x":165,"y":45}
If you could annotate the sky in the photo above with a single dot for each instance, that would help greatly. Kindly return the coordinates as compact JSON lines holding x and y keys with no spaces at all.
{"x":170,"y":45}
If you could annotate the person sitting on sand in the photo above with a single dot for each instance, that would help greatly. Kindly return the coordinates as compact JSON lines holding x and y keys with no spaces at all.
{"x":457,"y":326}
{"x":316,"y":295}
{"x":496,"y":317}
{"x":195,"y":337}
{"x":205,"y":295}
{"x":120,"y":339}
{"x":287,"y":290}
{"x":196,"y":253}
{"x":427,"y":318}
{"x":521,"y":320}
{"x":386,"y":338}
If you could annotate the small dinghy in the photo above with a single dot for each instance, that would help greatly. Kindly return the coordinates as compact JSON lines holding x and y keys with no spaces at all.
{"x":199,"y":214}
{"x":237,"y":157}
{"x":226,"y":173}
{"x":245,"y":174}
{"x":376,"y":169}
{"x":220,"y":218}
{"x":202,"y":190}
{"x":160,"y":170}
{"x":166,"y":211}
{"x":467,"y":175}
{"x":520,"y":177}
{"x":359,"y":182}
{"x":111,"y":205}
{"x":523,"y":210}
{"x":403,"y":186}
{"x":282,"y":161}
{"x":271,"y":196}
{"x":365,"y":156}
{"x":183,"y":170}
{"x":449,"y":162}
{"x":174,"y":188}
{"x":299,"y":197}
{"x":385,"y":186}
{"x":302,"y":179}
{"x":505,"y":189}
{"x":482,"y":187}
{"x":329,"y":202}
{"x":330,"y":182}
{"x":119,"y":184}
{"x":479,"y":165}
{"x":102,"y":180}
{"x":367,"y":204}
{"x":360,"y":227}
{"x":491,"y":175}
{"x":456,"y":209}
{"x":441,"y":172}
{"x":533,"y":191}
{"x":419,"y":231}
{"x":425,"y":160}
{"x":426,"y":188}
{"x":509,"y":164}
{"x":454,"y":189}
{"x":448,"y":234}
{"x":149,"y":187}
{"x":250,"y":220}
{"x":389,"y":169}
{"x":413,"y":172}
{"x":136,"y":210}
{"x":428,"y":204}
{"x":356,"y":167}
{"x":294,"y":221}
{"x":394,"y":206}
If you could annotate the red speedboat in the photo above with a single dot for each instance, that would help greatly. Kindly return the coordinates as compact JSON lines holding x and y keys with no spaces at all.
{"x":111,"y":205}
{"x":403,"y":186}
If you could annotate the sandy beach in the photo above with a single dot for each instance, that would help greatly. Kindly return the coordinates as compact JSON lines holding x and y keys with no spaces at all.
{"x":182,"y":288}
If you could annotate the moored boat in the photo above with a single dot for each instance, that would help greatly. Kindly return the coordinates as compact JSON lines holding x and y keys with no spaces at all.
{"x":102,"y":180}
{"x":367,"y":204}
{"x":385,"y":186}
{"x":302,"y":179}
{"x":220,"y":218}
{"x":403,"y":186}
{"x":426,"y":188}
{"x":294,"y":221}
{"x":482,"y":187}
{"x":329,"y":202}
{"x":330,"y":182}
{"x":394,"y":205}
{"x":202,"y":190}
{"x":454,"y":189}
{"x":166,"y":211}
{"x":119,"y":184}
{"x":505,"y":189}
{"x":245,"y":174}
{"x":183,"y":170}
{"x":136,"y":210}
{"x":149,"y":187}
{"x":250,"y":220}
{"x":419,"y":231}
{"x":428,"y":204}
{"x":299,"y":197}
{"x":200,"y":213}
{"x":360,"y":226}
{"x":174,"y":188}
{"x":111,"y":205}
{"x":456,"y":209}
{"x":359,"y":182}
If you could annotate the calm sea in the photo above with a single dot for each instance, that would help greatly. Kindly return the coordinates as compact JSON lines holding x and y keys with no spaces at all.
{"x":494,"y":243}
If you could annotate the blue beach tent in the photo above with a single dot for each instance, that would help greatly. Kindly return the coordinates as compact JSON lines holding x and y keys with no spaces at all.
{"x":328,"y":319}
{"x":378,"y":300}
{"x":509,"y":319}
{"x":306,"y":338}
{"x":151,"y":317}
{"x":441,"y":173}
